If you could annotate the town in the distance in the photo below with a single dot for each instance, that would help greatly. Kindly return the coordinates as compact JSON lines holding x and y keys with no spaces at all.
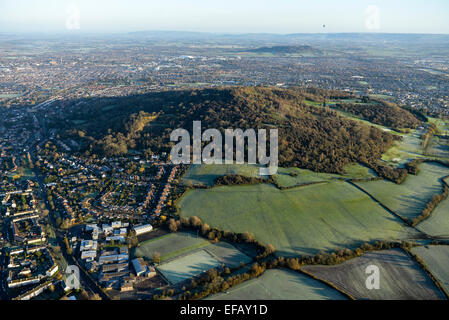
{"x":87,"y":182}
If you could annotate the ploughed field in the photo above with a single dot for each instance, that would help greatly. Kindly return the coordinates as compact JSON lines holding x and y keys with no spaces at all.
{"x":400,"y":278}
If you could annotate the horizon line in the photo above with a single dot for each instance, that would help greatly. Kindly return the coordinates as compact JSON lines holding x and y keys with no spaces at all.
{"x":80,"y":32}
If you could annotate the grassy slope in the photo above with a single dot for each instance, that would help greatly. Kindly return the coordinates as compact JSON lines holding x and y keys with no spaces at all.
{"x":303,"y":176}
{"x":297,"y":221}
{"x":170,"y":246}
{"x":436,"y":258}
{"x":438,"y":222}
{"x":188,"y":266}
{"x":227,"y":254}
{"x":411,"y":197}
{"x":281,"y":285}
{"x":206,"y":174}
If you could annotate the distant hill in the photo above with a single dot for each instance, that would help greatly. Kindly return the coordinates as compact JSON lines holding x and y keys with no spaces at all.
{"x":301,"y":50}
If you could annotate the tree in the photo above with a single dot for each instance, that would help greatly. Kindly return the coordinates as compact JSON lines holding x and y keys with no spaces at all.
{"x":205,"y":229}
{"x":270,"y":249}
{"x":172,"y":225}
{"x":156,"y":257}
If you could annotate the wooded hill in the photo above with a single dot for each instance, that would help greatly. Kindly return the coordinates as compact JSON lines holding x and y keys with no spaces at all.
{"x":288,"y":50}
{"x":381,"y":112}
{"x":312,"y":137}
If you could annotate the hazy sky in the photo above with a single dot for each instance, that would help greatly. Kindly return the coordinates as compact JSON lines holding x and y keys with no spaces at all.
{"x":234,"y":16}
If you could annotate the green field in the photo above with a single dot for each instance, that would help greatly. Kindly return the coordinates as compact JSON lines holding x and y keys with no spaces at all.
{"x":442,"y":125}
{"x":227,"y":254}
{"x":298,"y":221}
{"x":437,"y":224}
{"x":280,"y":285}
{"x":406,"y":150}
{"x":291,"y":177}
{"x":439,"y":148}
{"x":175,"y":245}
{"x":411,"y":197}
{"x":188,"y":266}
{"x":436,"y":259}
{"x":170,"y":246}
{"x":206,"y":174}
{"x":400,"y":278}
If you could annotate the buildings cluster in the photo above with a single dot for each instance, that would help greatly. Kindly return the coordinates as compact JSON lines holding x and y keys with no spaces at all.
{"x":30,"y":265}
{"x":104,"y":253}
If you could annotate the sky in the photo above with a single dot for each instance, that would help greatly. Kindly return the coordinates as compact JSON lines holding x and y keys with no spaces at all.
{"x":225,"y":16}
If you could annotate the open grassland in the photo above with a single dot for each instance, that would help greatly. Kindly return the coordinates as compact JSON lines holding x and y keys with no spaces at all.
{"x":170,"y":246}
{"x":286,"y":177}
{"x":188,"y":266}
{"x":406,"y":150}
{"x":291,"y":177}
{"x":401,"y":278}
{"x":227,"y":254}
{"x":442,"y":125}
{"x":298,"y":221}
{"x":174,"y":246}
{"x":281,"y":285}
{"x":437,"y":224}
{"x":436,"y":259}
{"x":205,"y":174}
{"x":439,"y":148}
{"x":411,"y":197}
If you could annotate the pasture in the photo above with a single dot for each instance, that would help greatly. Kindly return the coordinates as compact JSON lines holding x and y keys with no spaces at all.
{"x":188,"y":266}
{"x":280,"y":285}
{"x":436,"y":259}
{"x":227,"y":254}
{"x":437,"y":224}
{"x":205,"y":174}
{"x":184,"y":256}
{"x":298,"y":221}
{"x":406,"y":150}
{"x":400,"y":277}
{"x":170,"y":246}
{"x":286,"y":177}
{"x":411,"y":197}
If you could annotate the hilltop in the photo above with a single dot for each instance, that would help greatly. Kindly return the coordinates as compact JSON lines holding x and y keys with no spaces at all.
{"x":304,"y":50}
{"x":311,"y":136}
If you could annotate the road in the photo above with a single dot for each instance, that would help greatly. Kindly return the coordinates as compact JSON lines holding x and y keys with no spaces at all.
{"x":3,"y":275}
{"x":86,"y":280}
